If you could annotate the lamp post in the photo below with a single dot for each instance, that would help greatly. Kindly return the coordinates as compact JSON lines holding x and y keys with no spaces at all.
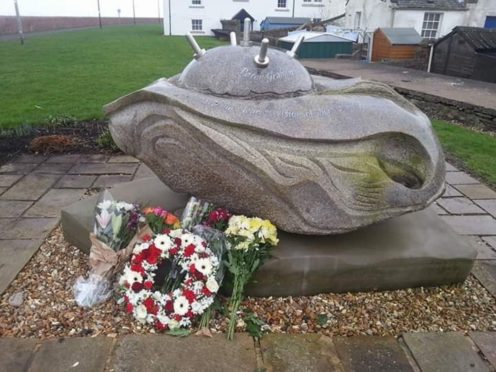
{"x":19,"y":23}
{"x":134,"y":14}
{"x":99,"y":14}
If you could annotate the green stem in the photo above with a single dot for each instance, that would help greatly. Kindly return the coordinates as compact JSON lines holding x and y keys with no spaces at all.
{"x":236,"y":298}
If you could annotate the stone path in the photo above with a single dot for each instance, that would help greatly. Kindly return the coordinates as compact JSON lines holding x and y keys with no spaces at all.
{"x":475,"y":92}
{"x":33,"y":189}
{"x":427,"y":352}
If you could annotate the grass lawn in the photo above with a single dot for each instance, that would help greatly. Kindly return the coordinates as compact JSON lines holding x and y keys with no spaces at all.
{"x":75,"y":73}
{"x":477,"y":151}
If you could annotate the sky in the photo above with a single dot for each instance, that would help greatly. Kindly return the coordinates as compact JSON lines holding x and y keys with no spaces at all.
{"x":82,"y":8}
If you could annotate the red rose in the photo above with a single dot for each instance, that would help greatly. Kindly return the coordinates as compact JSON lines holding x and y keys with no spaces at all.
{"x":192,"y":268}
{"x":146,"y":238}
{"x":153,"y":255}
{"x":148,"y":284}
{"x":189,"y":250}
{"x":178,"y":318}
{"x":137,"y":286}
{"x":150,"y":305}
{"x":190,"y":314}
{"x":177,"y":241}
{"x":206,"y":292}
{"x":169,"y":306}
{"x":173,"y":251}
{"x":129,"y":308}
{"x":190,"y":295}
{"x":138,"y":268}
{"x":159,"y":326}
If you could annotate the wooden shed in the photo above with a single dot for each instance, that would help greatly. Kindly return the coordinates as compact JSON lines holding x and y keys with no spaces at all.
{"x":395,"y":44}
{"x":468,"y":52}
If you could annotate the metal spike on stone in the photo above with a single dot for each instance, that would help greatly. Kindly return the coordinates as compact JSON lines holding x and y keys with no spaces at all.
{"x":296,"y":46}
{"x":246,"y":33}
{"x":233,"y":38}
{"x":262,"y":60}
{"x":198,"y":51}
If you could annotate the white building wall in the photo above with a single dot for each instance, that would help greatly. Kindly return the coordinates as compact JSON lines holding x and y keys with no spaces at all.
{"x":212,"y":11}
{"x":415,"y":18}
{"x":373,"y":14}
{"x":476,"y":16}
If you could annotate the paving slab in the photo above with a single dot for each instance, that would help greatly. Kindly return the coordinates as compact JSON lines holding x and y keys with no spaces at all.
{"x":16,"y":353}
{"x":66,"y":158}
{"x":451,"y":192}
{"x":53,"y":201}
{"x":451,"y":351}
{"x":7,"y":180}
{"x":17,"y":168}
{"x":144,"y":172}
{"x":104,"y":168}
{"x":479,"y":191}
{"x":488,"y":205}
{"x":371,"y":353}
{"x":85,"y":354}
{"x":491,"y":240}
{"x":111,"y":180}
{"x":31,"y":187}
{"x":165,"y":353}
{"x":76,"y":181}
{"x":471,"y":225}
{"x":9,"y":208}
{"x":460,"y":178}
{"x":27,"y":228}
{"x":484,"y":251}
{"x":485,"y":272}
{"x":14,"y":254}
{"x":30,"y":158}
{"x":486,"y":342}
{"x":437,"y":209}
{"x":460,"y":206}
{"x":123,"y":159}
{"x":54,"y":168}
{"x":295,"y":353}
{"x":2,"y":190}
{"x":93,"y":158}
{"x":450,"y":168}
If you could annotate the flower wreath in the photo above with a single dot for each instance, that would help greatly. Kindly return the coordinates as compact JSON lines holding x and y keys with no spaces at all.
{"x":191,"y":298}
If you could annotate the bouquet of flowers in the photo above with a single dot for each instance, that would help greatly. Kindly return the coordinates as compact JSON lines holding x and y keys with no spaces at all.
{"x":159,"y":220}
{"x":114,"y":235}
{"x":195,"y":213}
{"x":251,"y":241}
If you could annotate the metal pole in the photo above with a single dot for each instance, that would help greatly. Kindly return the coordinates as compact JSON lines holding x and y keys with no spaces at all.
{"x":134,"y":14}
{"x":170,"y":19}
{"x":99,"y":13}
{"x":293,"y":7}
{"x":19,"y":23}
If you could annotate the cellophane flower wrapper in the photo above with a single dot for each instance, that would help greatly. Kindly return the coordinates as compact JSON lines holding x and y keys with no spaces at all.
{"x":250,"y":241}
{"x":114,"y":235}
{"x":195,"y":212}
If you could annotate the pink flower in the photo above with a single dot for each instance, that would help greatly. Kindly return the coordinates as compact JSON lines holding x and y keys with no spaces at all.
{"x":103,"y":218}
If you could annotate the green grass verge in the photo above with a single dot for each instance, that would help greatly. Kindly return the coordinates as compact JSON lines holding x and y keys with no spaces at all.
{"x":477,"y":151}
{"x":75,"y":73}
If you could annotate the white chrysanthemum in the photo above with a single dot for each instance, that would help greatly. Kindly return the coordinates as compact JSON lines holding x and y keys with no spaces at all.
{"x":138,"y":248}
{"x":124,"y":205}
{"x":181,"y":305}
{"x":203,"y":265}
{"x":212,"y":285}
{"x":163,"y":242}
{"x":140,"y":313}
{"x":197,"y":307}
{"x":173,"y":324}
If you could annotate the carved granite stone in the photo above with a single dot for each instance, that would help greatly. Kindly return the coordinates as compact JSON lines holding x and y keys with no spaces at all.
{"x":312,"y":154}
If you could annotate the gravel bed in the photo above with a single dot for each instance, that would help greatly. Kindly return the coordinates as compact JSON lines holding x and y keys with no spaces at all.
{"x":48,"y":309}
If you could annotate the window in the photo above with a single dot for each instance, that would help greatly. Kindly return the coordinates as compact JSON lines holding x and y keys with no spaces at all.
{"x":196,"y":24}
{"x":281,"y":3}
{"x":196,"y":2}
{"x":309,"y":1}
{"x":358,"y":19}
{"x":431,"y":25}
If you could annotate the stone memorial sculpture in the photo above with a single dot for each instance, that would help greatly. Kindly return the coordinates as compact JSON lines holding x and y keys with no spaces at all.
{"x":248,"y":128}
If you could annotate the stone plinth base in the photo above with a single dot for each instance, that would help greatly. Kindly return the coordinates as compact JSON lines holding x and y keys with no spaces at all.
{"x":413,"y":250}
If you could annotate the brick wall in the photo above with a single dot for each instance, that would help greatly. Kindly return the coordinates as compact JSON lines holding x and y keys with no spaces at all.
{"x":8,"y":24}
